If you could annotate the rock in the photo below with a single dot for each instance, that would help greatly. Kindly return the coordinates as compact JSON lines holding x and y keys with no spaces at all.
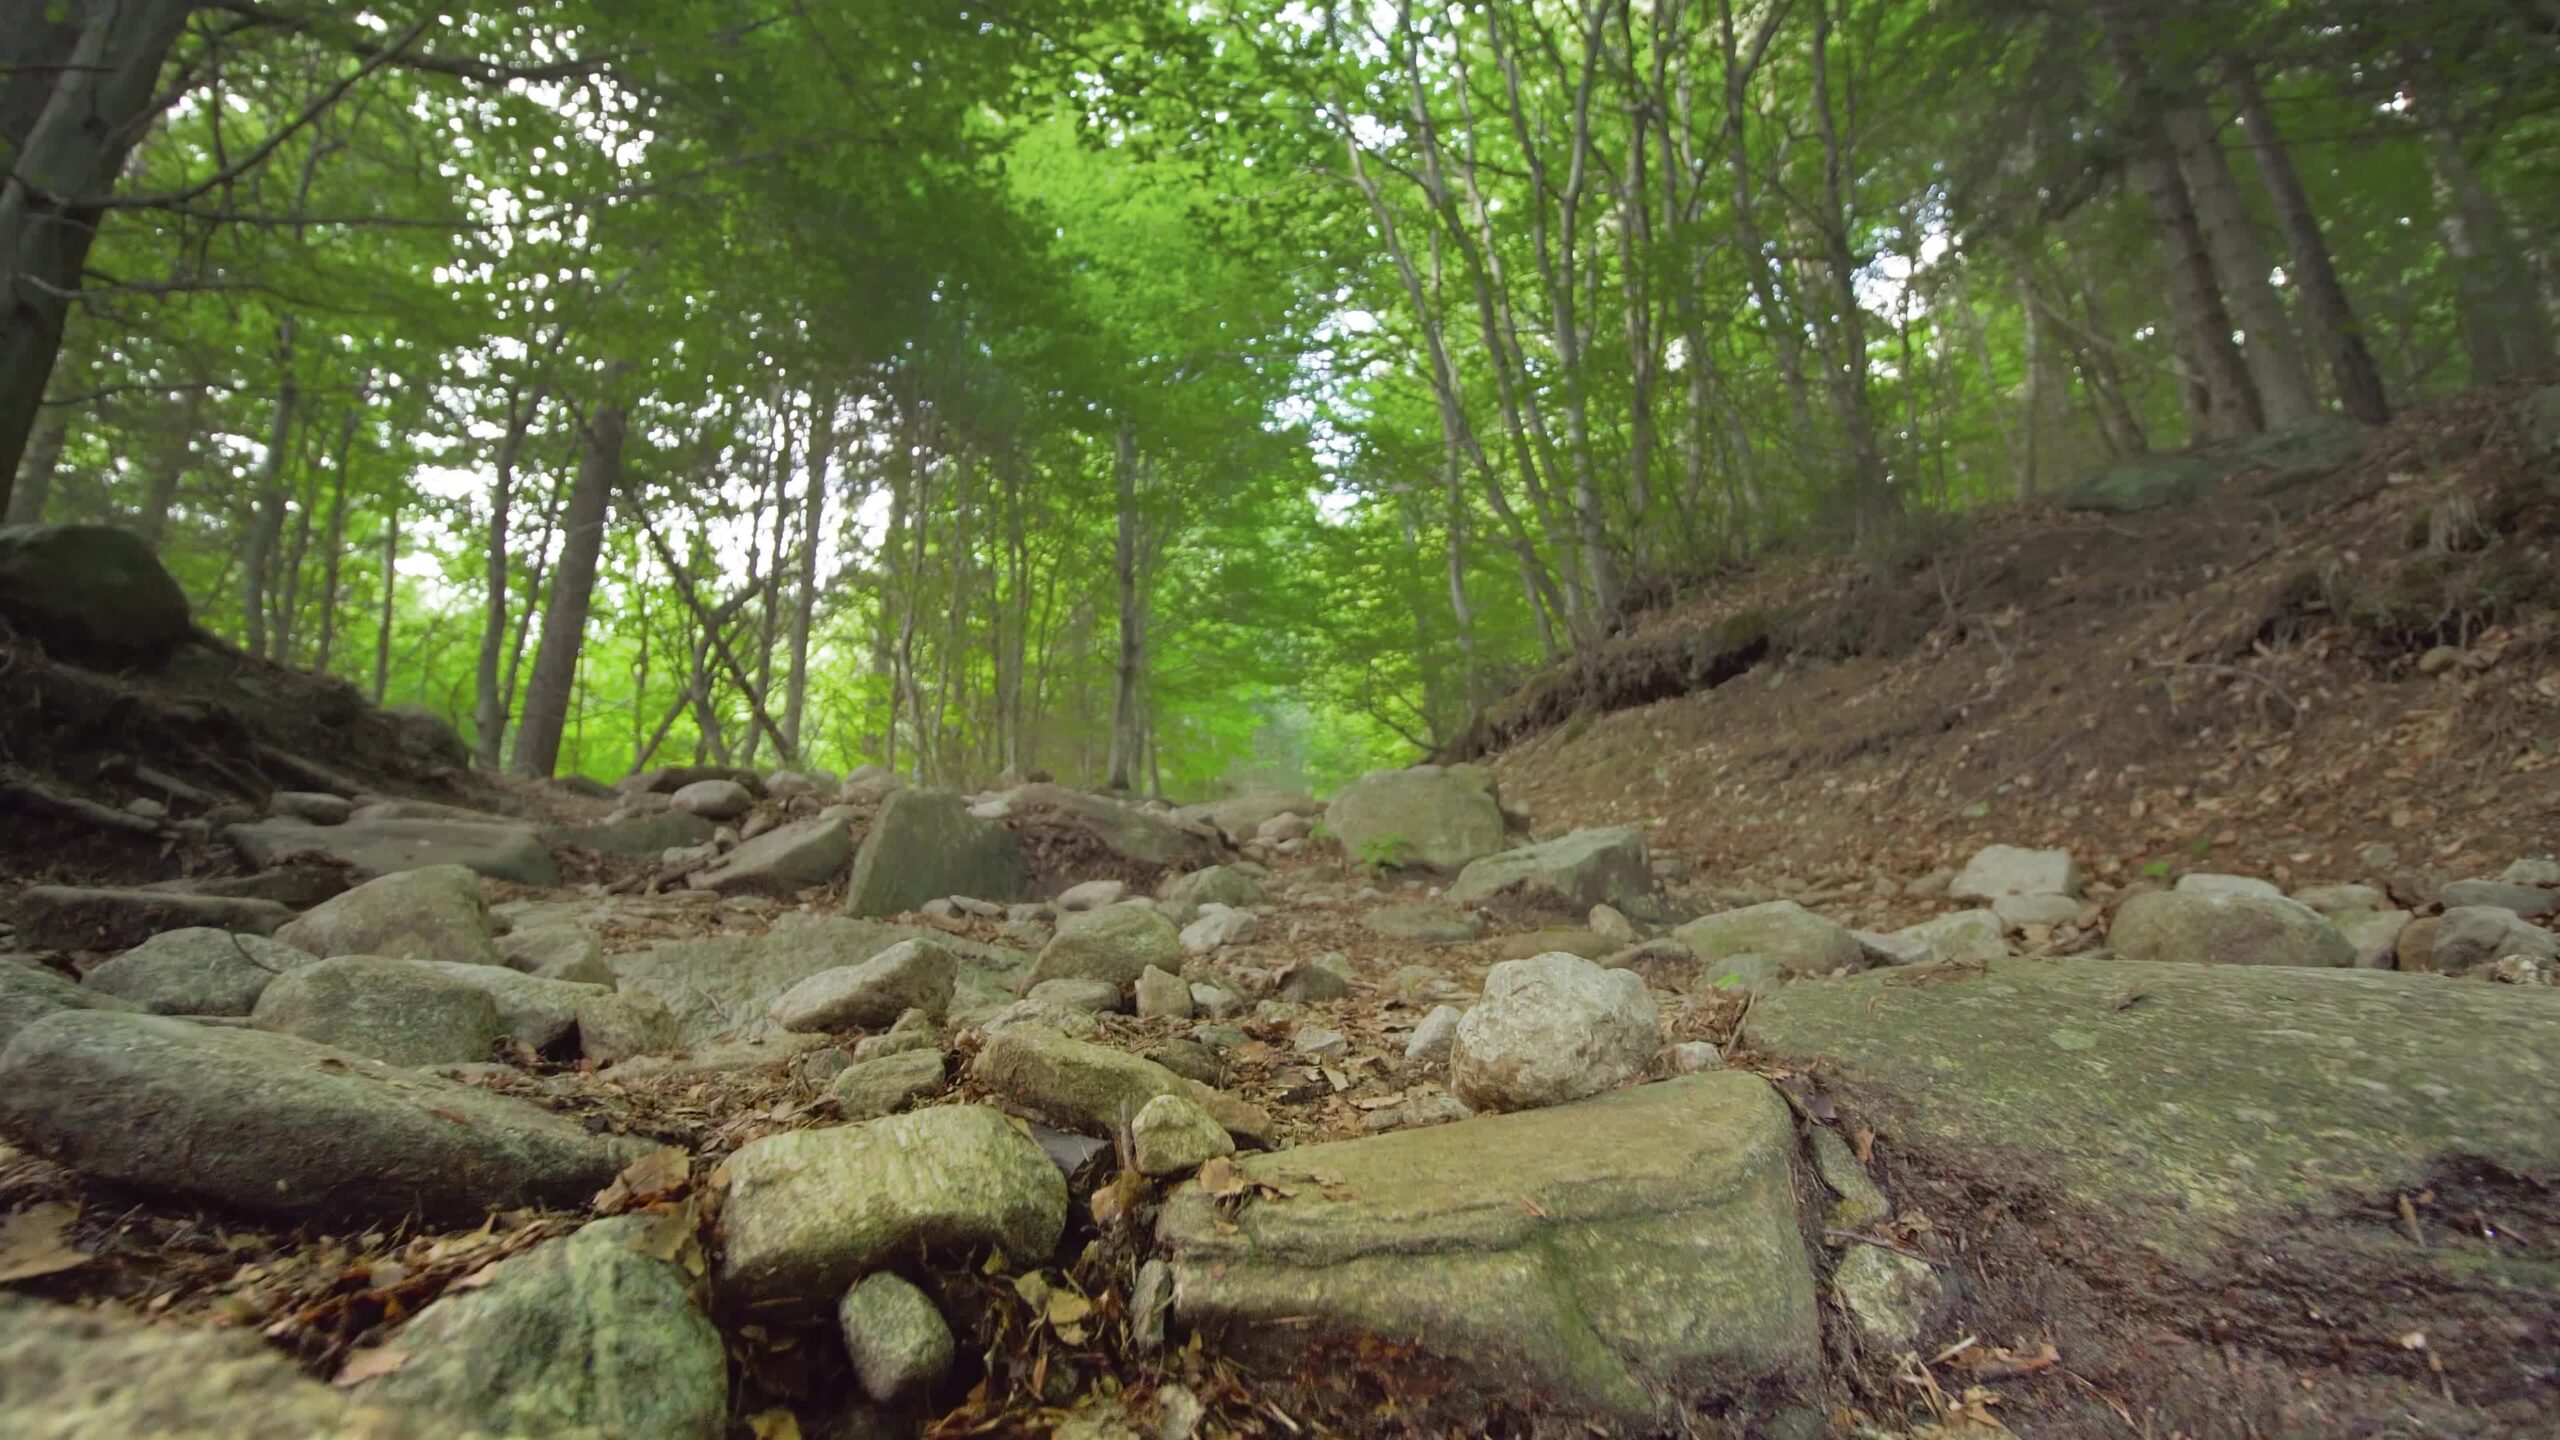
{"x":900,"y":1344}
{"x":589,"y":1334}
{"x":1091,"y":895}
{"x":1189,"y":1059}
{"x":914,"y":1030}
{"x":318,"y":807}
{"x":1172,"y":1136}
{"x":28,"y":993}
{"x":1217,"y":885}
{"x":1421,"y":1110}
{"x":1861,"y":1201}
{"x":2414,"y":950}
{"x":72,"y":1373}
{"x":1751,"y":974}
{"x":2375,"y":934}
{"x":431,"y":914}
{"x":196,"y":972}
{"x":2473,"y":935}
{"x":1429,"y":923}
{"x":869,"y":785}
{"x":1327,"y":977}
{"x":2016,"y":912}
{"x":1244,"y":817}
{"x":1568,"y":940}
{"x":1611,"y":924}
{"x":373,"y":845}
{"x":1093,"y":1088}
{"x":637,"y":835}
{"x":1281,"y":829}
{"x":2530,"y":901}
{"x":1572,"y":873}
{"x":910,"y":975}
{"x":556,"y":952}
{"x":279,"y":1126}
{"x":1427,"y":816}
{"x":1217,"y":928}
{"x":792,"y":784}
{"x":668,"y":779}
{"x":2338,"y":899}
{"x":1114,"y":945}
{"x":1793,"y":938}
{"x":729,"y":983}
{"x":1889,"y":1298}
{"x":782,"y":861}
{"x":1095,"y":996}
{"x":2138,"y":483}
{"x":2542,"y":873}
{"x":1072,"y":1020}
{"x":1132,"y":836}
{"x":875,"y":1087}
{"x":2209,"y":929}
{"x":561,"y":1016}
{"x":90,"y":590}
{"x":1163,"y":994}
{"x":394,"y":1011}
{"x":615,"y":1026}
{"x":809,"y":1211}
{"x":1216,"y":1000}
{"x":1435,"y":1034}
{"x":1997,"y":870}
{"x":2203,"y":883}
{"x":59,"y":917}
{"x":1318,"y":1043}
{"x":714,"y":799}
{"x":1894,"y":949}
{"x":1552,"y":1029}
{"x":924,"y":845}
{"x":1965,"y":934}
{"x":1598,"y":1259}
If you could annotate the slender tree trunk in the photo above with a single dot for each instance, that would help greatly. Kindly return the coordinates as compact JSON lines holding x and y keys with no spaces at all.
{"x":333,"y":551}
{"x":2240,"y":259}
{"x":1125,"y":724}
{"x":2505,"y":324}
{"x":166,"y":467}
{"x":2324,"y":299}
{"x":268,"y":500}
{"x":96,"y":66}
{"x":490,"y":702}
{"x":1873,"y":499}
{"x":390,"y":594}
{"x":35,"y":473}
{"x":813,"y":514}
{"x":573,"y":580}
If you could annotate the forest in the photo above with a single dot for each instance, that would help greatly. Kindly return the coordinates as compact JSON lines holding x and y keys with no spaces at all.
{"x":1164,"y":395}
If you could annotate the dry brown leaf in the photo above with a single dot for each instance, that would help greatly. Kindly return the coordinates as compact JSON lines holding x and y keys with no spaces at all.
{"x":644,"y":1181}
{"x":37,"y":1241}
{"x":369,"y":1365}
{"x":1221,"y":1179}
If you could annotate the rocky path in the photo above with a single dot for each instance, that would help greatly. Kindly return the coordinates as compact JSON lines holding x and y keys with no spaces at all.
{"x":775,"y":1105}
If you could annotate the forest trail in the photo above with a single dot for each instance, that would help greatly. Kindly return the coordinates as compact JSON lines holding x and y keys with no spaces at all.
{"x":1654,"y":1078}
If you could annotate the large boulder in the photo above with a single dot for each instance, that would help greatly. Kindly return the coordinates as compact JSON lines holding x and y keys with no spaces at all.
{"x":373,"y":844}
{"x":1136,"y":839}
{"x":556,"y":950}
{"x":1241,"y":818}
{"x":636,"y":835}
{"x":90,"y":590}
{"x":29,"y":992}
{"x":1598,"y":1260}
{"x":925,"y":845}
{"x":1793,"y":938}
{"x":397,"y":1011}
{"x":1572,"y":872}
{"x":2225,"y":928}
{"x":1114,"y":945}
{"x":1551,"y":1029}
{"x":196,"y":972}
{"x":1214,"y":885}
{"x":782,"y":861}
{"x":2188,"y":1103}
{"x":62,"y":917}
{"x":811,"y":1211}
{"x":1432,"y":817}
{"x":586,"y":1335}
{"x":2142,"y":482}
{"x":729,"y":983}
{"x":436,"y":913}
{"x":2468,"y":937}
{"x":546,"y":1014}
{"x":279,"y":1126}
{"x":910,"y":975}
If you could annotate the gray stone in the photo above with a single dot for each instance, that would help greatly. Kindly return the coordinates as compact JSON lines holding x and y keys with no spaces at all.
{"x":2375,"y":934}
{"x":373,"y":845}
{"x":1318,"y":1043}
{"x":869,"y":785}
{"x":1172,"y":1136}
{"x":1691,"y":1056}
{"x":714,"y":799}
{"x":810,"y":1211}
{"x":90,"y":590}
{"x":2542,"y":872}
{"x":2205,"y":883}
{"x":2471,"y":936}
{"x":567,"y":1016}
{"x":614,"y":1026}
{"x":1189,"y":1059}
{"x":924,"y":845}
{"x":435,"y":913}
{"x":1075,"y":993}
{"x":2019,"y":911}
{"x":870,"y":1088}
{"x":1782,"y":931}
{"x":1244,"y":817}
{"x":1327,"y":977}
{"x":2338,"y":899}
{"x":1552,"y":1029}
{"x":1529,"y":1256}
{"x":556,"y":952}
{"x":729,"y":983}
{"x":1094,"y":1088}
{"x":2209,"y":929}
{"x":910,"y":975}
{"x":2142,"y":482}
{"x":1889,"y":1298}
{"x":900,"y":1344}
{"x":1133,"y":836}
{"x":1217,"y":1000}
{"x":1964,"y":934}
{"x":1895,"y":949}
{"x":2228,"y":1097}
{"x":586,"y":1335}
{"x":2530,"y":901}
{"x":196,"y":972}
{"x":1997,"y":870}
{"x":1433,"y":1037}
{"x":1430,"y":817}
{"x":28,"y":993}
{"x":1216,"y":885}
{"x":1218,"y":927}
{"x":1163,"y":994}
{"x":1573,"y":873}
{"x":1414,"y":921}
{"x":279,"y":1126}
{"x":1070,"y":1020}
{"x":318,"y":807}
{"x":782,"y":861}
{"x":1861,"y":1201}
{"x":791,"y":784}
{"x":1091,"y":895}
{"x":1751,"y":974}
{"x":1284,"y":829}
{"x":1420,"y":1110}
{"x":396,"y":1011}
{"x":1114,"y":945}
{"x":61,"y":917}
{"x":636,"y":835}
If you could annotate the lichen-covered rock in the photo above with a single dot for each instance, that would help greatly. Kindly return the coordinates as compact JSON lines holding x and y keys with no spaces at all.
{"x":388,"y":843}
{"x":1791,"y":937}
{"x":1114,"y":945}
{"x":910,"y":975}
{"x":729,"y":983}
{"x":925,"y":845}
{"x":1552,"y":1029}
{"x":1215,"y":885}
{"x":435,"y":913}
{"x":2225,"y":929}
{"x":1172,"y":1136}
{"x":1162,"y":993}
{"x":782,"y":861}
{"x":196,"y":971}
{"x":90,"y":590}
{"x":1888,"y":1297}
{"x":877,"y":1086}
{"x":1964,"y":934}
{"x":29,"y":992}
{"x":1428,"y":816}
{"x":2470,"y":936}
{"x":1572,"y":873}
{"x":714,"y":799}
{"x":396,"y":1011}
{"x":1997,"y":870}
{"x":901,"y":1346}
{"x":556,"y":952}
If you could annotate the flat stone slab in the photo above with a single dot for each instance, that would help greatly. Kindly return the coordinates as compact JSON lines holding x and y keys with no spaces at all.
{"x":2188,"y":1102}
{"x":729,"y":983}
{"x":1613,"y":1259}
{"x":372,"y":845}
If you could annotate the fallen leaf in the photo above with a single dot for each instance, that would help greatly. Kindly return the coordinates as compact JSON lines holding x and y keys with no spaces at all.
{"x":1066,"y":1308}
{"x":774,"y":1425}
{"x":1222,"y":1179}
{"x":370,"y":1365}
{"x":37,"y":1241}
{"x":644,"y":1181}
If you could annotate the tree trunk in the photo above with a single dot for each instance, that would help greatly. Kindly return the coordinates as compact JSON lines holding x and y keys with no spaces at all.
{"x":1873,"y":500}
{"x":490,"y":702}
{"x":96,"y":65}
{"x":35,"y":473}
{"x":332,"y":553}
{"x":2272,"y":350}
{"x":166,"y":467}
{"x":390,"y":594}
{"x":2324,"y":299}
{"x":804,"y":611}
{"x":1125,"y":725}
{"x":268,"y":500}
{"x":2505,"y":326}
{"x":573,"y":582}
